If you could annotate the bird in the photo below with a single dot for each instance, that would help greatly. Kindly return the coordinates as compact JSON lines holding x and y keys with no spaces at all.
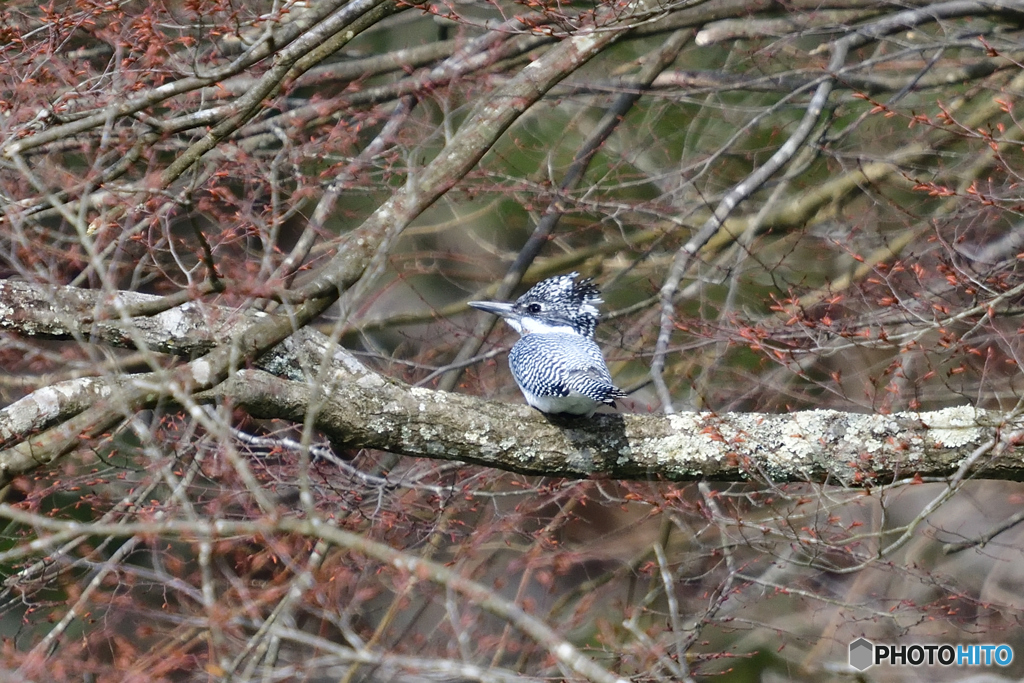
{"x":556,"y":362}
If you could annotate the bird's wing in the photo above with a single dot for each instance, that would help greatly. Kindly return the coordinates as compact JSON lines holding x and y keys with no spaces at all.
{"x":557,"y":365}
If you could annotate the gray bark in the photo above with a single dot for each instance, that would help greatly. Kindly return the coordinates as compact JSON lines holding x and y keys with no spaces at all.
{"x":361,"y":409}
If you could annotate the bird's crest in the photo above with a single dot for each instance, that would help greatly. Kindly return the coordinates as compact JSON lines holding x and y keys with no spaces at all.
{"x":563,"y":300}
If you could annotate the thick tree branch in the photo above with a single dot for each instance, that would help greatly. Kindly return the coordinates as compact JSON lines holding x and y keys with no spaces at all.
{"x":367,"y":410}
{"x":355,"y":254}
{"x":855,"y":261}
{"x":850,"y":449}
{"x":72,"y":313}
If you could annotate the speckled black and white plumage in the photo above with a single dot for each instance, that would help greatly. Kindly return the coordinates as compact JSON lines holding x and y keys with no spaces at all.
{"x":562,"y":301}
{"x":561,"y":372}
{"x":556,"y":363}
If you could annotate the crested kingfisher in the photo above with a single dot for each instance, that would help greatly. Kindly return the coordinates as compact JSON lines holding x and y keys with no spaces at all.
{"x":556,"y":362}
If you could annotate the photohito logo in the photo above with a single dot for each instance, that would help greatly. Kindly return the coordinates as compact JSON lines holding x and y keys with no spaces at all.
{"x":864,"y":654}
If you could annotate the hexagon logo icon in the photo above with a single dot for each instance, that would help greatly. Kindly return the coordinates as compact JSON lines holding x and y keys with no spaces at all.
{"x":862,"y":653}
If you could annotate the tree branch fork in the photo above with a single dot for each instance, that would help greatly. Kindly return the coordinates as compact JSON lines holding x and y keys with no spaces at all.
{"x":358,"y":408}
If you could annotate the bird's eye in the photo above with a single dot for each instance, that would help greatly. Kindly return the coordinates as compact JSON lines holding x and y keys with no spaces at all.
{"x":534,"y":308}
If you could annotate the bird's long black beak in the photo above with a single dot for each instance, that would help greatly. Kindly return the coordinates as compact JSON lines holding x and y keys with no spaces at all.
{"x":495,"y":307}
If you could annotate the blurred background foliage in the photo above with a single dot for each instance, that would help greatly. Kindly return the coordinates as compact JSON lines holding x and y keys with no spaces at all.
{"x":877,"y":271}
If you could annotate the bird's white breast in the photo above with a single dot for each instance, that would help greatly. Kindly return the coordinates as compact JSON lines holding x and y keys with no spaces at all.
{"x":574,"y":404}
